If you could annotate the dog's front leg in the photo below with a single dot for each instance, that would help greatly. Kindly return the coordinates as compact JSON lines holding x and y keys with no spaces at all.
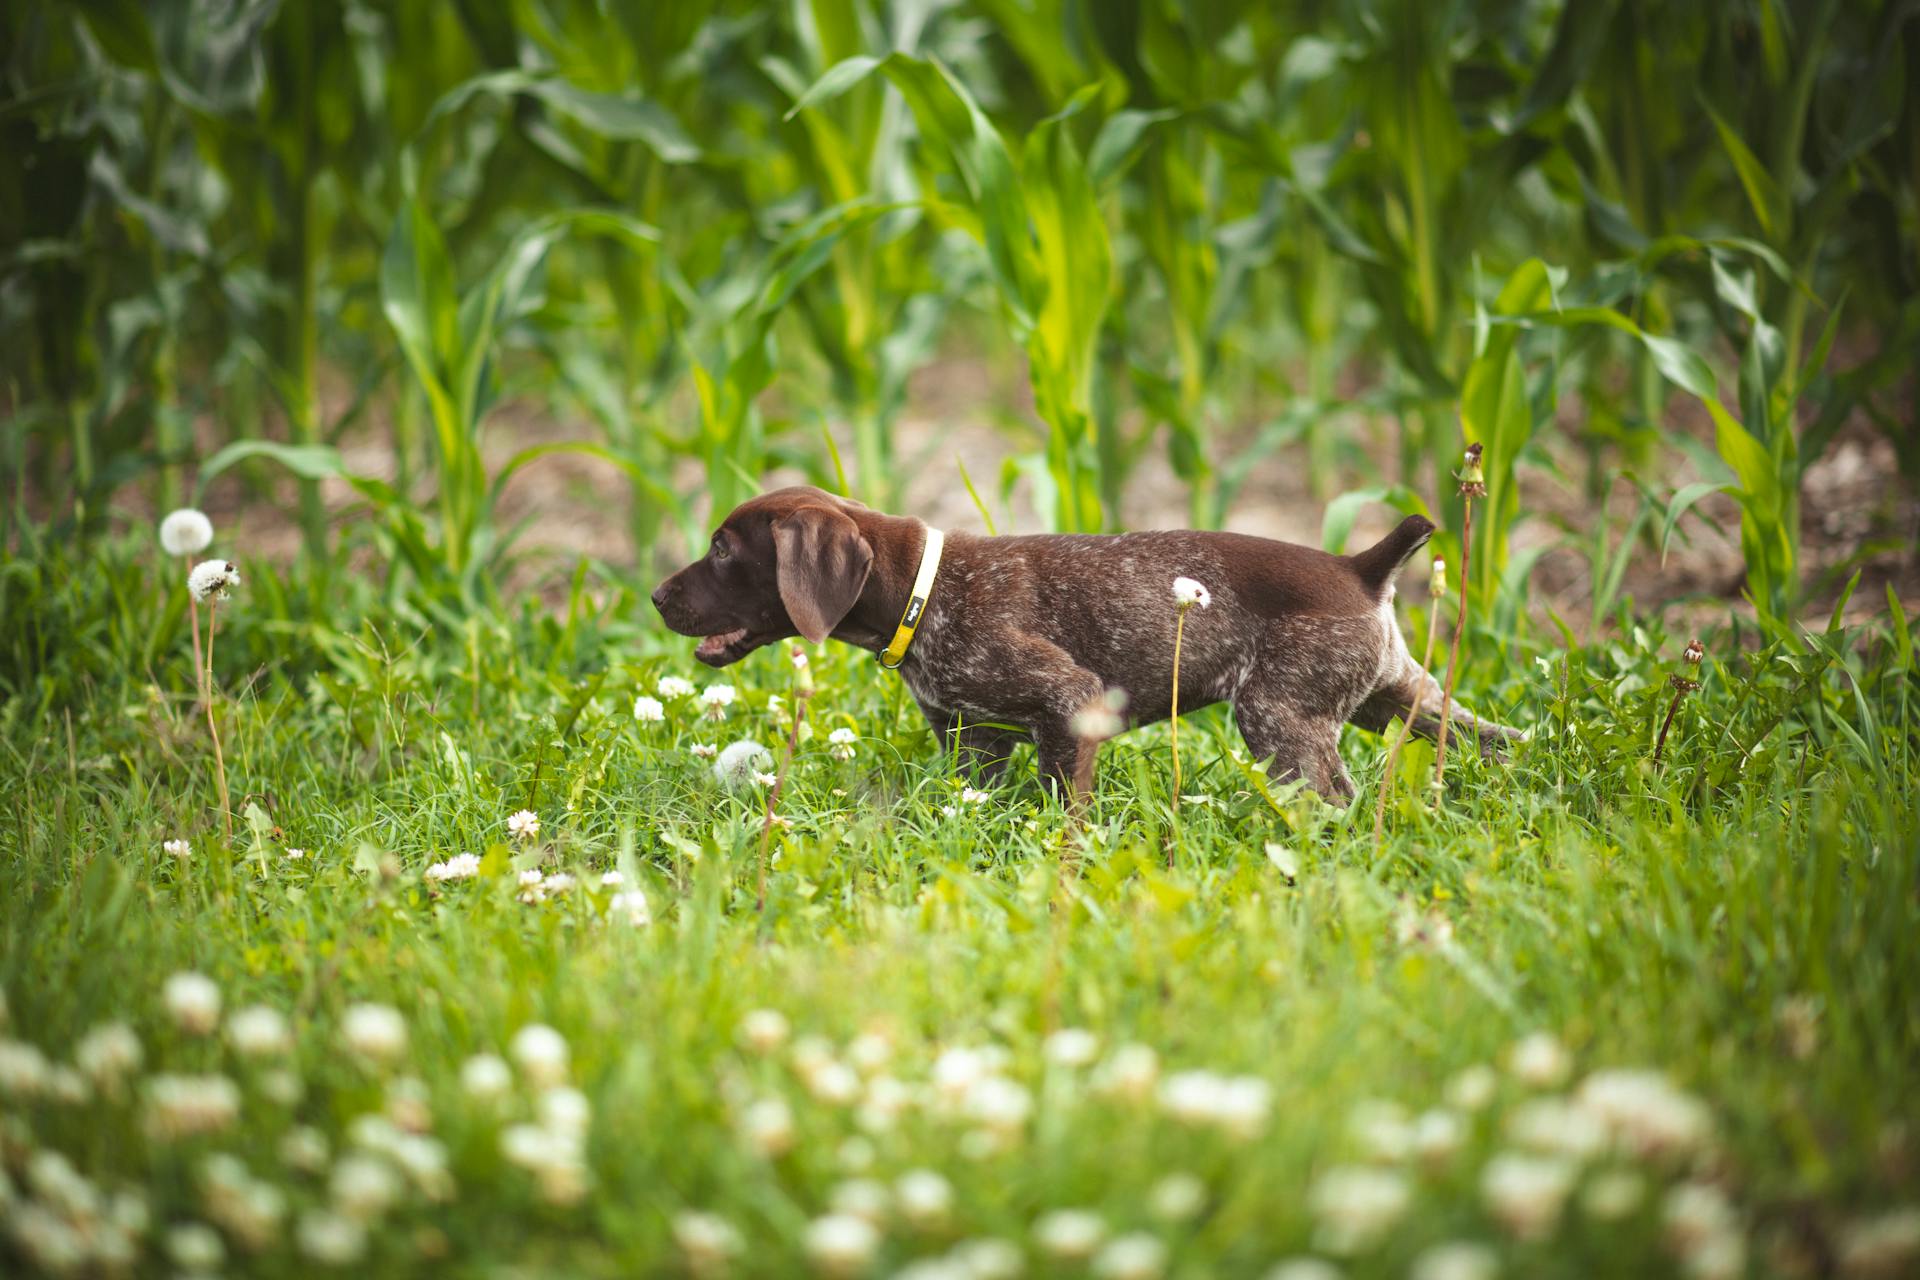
{"x":982,"y":750}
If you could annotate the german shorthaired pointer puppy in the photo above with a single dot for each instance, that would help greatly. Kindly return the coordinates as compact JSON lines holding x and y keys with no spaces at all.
{"x":990,"y":633}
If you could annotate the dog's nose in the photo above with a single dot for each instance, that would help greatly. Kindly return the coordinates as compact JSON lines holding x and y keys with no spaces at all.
{"x":660,"y":596}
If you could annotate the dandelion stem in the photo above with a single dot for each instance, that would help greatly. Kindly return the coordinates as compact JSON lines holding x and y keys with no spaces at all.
{"x":1453,"y":655}
{"x":1661,"y":745}
{"x":1393,"y":752}
{"x":219,"y":760}
{"x":773,"y":793}
{"x":193,"y":617}
{"x":1173,"y":727}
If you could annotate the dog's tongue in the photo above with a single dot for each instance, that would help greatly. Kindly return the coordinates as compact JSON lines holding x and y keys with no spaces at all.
{"x":714,"y":646}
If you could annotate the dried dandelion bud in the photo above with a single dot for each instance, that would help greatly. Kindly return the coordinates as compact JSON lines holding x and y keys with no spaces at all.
{"x":1687,"y":679}
{"x":1437,"y":579}
{"x":1473,"y":484}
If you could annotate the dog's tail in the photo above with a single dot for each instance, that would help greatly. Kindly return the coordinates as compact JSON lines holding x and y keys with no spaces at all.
{"x":1380,"y":564}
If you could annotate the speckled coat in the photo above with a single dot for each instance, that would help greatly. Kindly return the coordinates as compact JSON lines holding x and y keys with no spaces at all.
{"x":1029,"y":631}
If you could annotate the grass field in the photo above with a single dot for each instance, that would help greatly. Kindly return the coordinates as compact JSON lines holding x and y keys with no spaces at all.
{"x":422,"y":907}
{"x":1585,"y":1016}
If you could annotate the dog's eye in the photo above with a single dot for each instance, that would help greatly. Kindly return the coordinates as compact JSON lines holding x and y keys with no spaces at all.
{"x":718,"y":550}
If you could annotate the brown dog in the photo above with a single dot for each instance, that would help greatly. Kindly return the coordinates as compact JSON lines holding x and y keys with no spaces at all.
{"x":1031,"y":631}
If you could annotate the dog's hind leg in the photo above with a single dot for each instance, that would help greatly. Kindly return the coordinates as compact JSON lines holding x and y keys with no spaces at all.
{"x":981,"y":750}
{"x":1397,"y":700}
{"x":1299,"y":745}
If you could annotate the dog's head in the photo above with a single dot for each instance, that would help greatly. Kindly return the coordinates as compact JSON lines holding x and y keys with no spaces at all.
{"x":791,"y":562}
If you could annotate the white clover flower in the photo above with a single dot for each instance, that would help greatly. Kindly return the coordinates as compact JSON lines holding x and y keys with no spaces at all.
{"x":1884,"y":1245}
{"x":1178,"y":1197}
{"x":1455,"y":1260}
{"x":296,"y":854}
{"x":1437,"y":1135}
{"x":195,"y":1248}
{"x":631,"y":908}
{"x":1304,"y":1269}
{"x":763,"y":1030}
{"x":709,"y":1241}
{"x":330,"y":1239}
{"x":765,"y":779}
{"x":282,"y":1086}
{"x":566,"y":1110}
{"x":542,"y":1053}
{"x":740,"y":762}
{"x":648,"y":710}
{"x":554,"y":1158}
{"x":766,"y":1126}
{"x":989,"y":1258}
{"x":840,"y":1244}
{"x":1130,"y":1072}
{"x":1526,"y":1193}
{"x":185,"y":531}
{"x":1356,"y":1205}
{"x":832,"y":1082}
{"x":841,"y":743}
{"x":612,"y":879}
{"x":870,"y":1051}
{"x":24,"y":1070}
{"x":213,"y":578}
{"x":1645,"y":1112}
{"x":559,"y":882}
{"x":108,"y":1053}
{"x":1553,"y":1127}
{"x":304,"y":1149}
{"x":532,"y":878}
{"x":524,"y":824}
{"x":1187,"y":593}
{"x":703,"y":751}
{"x":177,"y":848}
{"x":486,"y":1077}
{"x":671,"y":687}
{"x":1072,"y":1047}
{"x":973,"y":795}
{"x":462,"y":866}
{"x":409,"y":1105}
{"x":1539,"y":1061}
{"x":1383,"y":1130}
{"x":259,"y":1031}
{"x":1134,"y":1256}
{"x":1070,"y":1235}
{"x":183,"y":1106}
{"x":375,"y":1031}
{"x":1473,"y":1088}
{"x":1237,"y":1105}
{"x":715,"y":699}
{"x":363,"y":1187}
{"x":1612,"y":1195}
{"x":193,"y":1001}
{"x":925,"y":1198}
{"x":860,"y":1198}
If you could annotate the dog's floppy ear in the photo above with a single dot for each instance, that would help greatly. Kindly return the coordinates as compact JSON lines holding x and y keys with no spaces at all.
{"x":824,"y":563}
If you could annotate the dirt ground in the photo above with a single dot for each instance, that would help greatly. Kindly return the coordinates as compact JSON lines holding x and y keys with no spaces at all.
{"x":1855,"y":505}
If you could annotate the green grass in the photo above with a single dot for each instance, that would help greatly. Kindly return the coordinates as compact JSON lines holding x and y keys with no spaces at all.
{"x":1742,"y":920}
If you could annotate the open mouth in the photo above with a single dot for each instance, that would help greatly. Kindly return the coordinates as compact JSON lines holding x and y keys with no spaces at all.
{"x":718,"y":651}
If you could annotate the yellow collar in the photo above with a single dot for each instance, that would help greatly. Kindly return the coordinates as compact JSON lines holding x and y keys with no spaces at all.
{"x":896,"y":652}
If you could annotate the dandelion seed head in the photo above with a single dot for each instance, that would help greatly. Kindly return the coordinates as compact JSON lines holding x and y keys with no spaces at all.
{"x":741,"y":762}
{"x":185,"y":532}
{"x":213,"y":579}
{"x":1188,"y":592}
